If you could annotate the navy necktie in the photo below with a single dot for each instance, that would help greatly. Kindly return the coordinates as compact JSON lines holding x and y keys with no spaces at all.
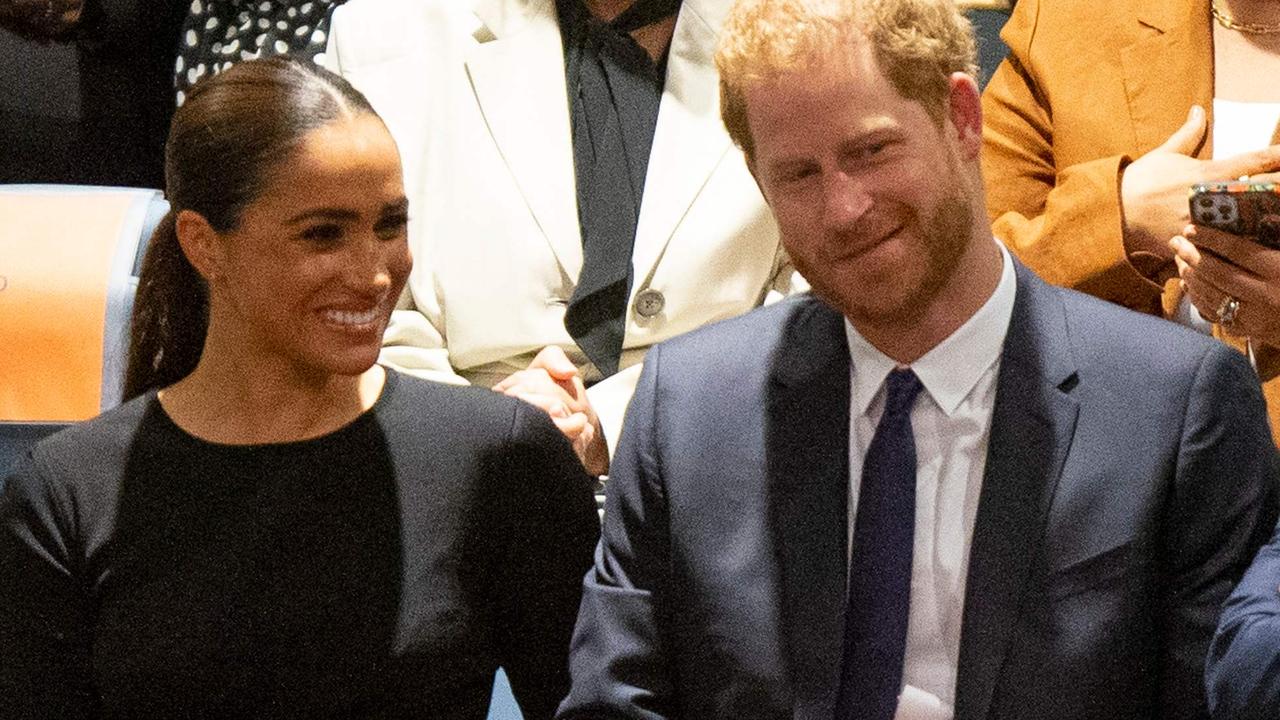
{"x":879,"y":597}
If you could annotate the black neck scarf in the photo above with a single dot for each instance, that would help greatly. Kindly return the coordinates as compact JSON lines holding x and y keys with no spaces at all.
{"x":614,"y":92}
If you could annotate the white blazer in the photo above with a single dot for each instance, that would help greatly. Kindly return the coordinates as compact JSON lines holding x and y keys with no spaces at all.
{"x":474,"y":94}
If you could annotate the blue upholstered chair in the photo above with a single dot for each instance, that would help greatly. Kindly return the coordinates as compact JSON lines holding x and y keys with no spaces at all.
{"x":69,"y":260}
{"x":503,"y":705}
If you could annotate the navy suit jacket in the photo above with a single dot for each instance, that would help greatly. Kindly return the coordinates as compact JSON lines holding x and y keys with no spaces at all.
{"x":1129,"y":480}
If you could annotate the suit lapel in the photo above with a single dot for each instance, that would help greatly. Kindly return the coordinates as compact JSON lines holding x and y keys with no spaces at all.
{"x":807,"y":461}
{"x":1168,"y":69}
{"x":689,"y":141}
{"x":1031,"y":430}
{"x":519,"y":82}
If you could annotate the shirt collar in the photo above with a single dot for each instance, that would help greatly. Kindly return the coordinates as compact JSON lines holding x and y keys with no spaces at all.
{"x":953,"y":367}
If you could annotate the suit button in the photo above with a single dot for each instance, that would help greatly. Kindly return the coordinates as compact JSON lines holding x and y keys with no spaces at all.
{"x":649,"y":303}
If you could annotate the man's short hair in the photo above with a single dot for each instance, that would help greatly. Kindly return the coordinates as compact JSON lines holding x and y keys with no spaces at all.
{"x":916,"y":43}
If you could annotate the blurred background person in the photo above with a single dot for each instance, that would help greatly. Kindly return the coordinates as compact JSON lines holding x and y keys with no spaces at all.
{"x":1100,"y":120}
{"x":219,"y":33}
{"x":275,"y":526}
{"x":576,"y":198}
{"x":90,"y":85}
{"x":86,"y":90}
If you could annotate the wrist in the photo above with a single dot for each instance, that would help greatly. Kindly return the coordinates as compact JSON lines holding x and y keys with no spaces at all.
{"x":1146,"y":249}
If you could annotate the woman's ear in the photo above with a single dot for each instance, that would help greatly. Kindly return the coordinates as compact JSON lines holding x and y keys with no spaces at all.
{"x":200,"y":243}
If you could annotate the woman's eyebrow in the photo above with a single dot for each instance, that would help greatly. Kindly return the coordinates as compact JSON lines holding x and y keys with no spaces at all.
{"x":339,"y":214}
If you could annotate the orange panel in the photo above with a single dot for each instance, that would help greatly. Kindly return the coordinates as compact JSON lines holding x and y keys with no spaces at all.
{"x":55,"y":263}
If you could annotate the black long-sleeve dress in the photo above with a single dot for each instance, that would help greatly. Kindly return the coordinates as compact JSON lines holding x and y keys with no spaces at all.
{"x":383,"y":570}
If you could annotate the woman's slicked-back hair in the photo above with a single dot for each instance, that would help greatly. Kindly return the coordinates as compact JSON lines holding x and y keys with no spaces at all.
{"x":233,"y":132}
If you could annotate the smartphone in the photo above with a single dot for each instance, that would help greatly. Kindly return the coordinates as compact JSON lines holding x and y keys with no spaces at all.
{"x":1243,"y":208}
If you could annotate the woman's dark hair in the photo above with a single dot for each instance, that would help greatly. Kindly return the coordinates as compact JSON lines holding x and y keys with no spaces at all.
{"x":234,"y":130}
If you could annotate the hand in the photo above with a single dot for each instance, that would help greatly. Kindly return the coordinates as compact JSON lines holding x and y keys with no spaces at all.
{"x":40,"y":20}
{"x":552,"y":382}
{"x":1153,"y":190}
{"x":1215,"y":264}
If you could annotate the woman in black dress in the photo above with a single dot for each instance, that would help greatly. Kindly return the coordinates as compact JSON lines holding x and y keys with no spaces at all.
{"x":275,"y":526}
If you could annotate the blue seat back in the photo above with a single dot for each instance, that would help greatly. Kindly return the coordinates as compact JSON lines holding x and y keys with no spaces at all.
{"x":124,"y":238}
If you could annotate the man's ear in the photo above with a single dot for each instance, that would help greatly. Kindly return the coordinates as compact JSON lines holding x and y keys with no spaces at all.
{"x":964,"y":106}
{"x":200,"y":243}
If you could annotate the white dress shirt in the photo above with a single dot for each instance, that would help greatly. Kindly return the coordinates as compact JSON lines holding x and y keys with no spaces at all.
{"x":951,"y":422}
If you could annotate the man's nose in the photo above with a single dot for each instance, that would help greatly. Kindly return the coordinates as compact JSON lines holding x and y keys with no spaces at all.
{"x":845,"y":199}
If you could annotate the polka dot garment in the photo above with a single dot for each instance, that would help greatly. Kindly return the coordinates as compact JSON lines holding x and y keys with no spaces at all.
{"x":218,"y":33}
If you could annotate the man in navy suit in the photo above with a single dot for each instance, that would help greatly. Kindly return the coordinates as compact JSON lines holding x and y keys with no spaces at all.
{"x":1242,"y":672}
{"x":936,"y":487}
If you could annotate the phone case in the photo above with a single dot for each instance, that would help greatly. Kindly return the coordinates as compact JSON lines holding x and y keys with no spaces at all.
{"x":1242,"y":208}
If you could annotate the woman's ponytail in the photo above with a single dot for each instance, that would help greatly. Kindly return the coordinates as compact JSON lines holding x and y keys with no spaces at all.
{"x":170,"y":315}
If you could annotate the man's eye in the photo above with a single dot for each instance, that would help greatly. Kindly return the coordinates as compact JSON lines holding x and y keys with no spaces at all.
{"x":797,"y":174}
{"x":871,"y":150}
{"x":323,"y":234}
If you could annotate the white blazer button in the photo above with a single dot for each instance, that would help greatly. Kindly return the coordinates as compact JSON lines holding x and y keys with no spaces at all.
{"x":649,"y":303}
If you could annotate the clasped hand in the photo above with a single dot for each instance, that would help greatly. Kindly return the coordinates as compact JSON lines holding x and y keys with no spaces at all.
{"x":1215,"y":265}
{"x":553,"y":383}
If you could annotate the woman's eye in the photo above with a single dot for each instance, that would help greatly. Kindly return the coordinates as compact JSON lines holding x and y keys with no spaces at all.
{"x":323,"y":234}
{"x":391,"y":227}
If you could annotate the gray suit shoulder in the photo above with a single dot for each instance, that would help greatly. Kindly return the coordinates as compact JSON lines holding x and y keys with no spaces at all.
{"x":747,"y":340}
{"x":1110,"y":335}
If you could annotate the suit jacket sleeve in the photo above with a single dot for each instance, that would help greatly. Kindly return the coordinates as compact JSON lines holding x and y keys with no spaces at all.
{"x":1222,"y":508}
{"x":617,"y":662}
{"x":1063,"y":222}
{"x":1243,"y":672}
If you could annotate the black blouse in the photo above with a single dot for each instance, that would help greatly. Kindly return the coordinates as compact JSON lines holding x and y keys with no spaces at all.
{"x":384,"y":570}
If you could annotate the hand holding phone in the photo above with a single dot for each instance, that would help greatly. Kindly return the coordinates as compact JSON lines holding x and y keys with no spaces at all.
{"x":1242,"y":208}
